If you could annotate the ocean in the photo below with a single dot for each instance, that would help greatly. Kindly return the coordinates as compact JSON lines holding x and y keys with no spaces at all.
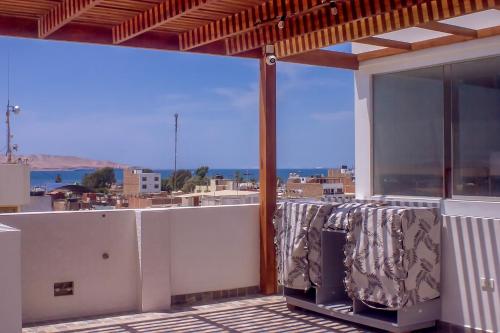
{"x":46,"y":179}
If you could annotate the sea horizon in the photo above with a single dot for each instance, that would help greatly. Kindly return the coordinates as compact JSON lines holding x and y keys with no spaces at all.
{"x":46,"y":178}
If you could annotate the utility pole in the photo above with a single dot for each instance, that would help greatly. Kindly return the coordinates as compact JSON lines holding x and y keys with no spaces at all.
{"x":176,"y":116}
{"x":15,"y":109}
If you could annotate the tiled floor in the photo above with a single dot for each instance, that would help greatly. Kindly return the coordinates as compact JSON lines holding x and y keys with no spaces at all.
{"x":248,"y":315}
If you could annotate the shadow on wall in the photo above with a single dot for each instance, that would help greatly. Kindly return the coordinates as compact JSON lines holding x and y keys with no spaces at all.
{"x":470,"y":252}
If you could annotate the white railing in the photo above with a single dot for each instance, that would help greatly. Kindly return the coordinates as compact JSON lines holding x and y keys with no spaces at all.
{"x":132,"y":260}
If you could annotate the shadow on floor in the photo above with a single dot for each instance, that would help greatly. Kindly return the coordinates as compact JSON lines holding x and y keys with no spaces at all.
{"x":270,"y":317}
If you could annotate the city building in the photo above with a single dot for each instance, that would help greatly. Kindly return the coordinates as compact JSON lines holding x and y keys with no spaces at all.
{"x":426,"y":130}
{"x":338,"y":183}
{"x":219,"y":198}
{"x":217,"y":183}
{"x":139,"y":181}
{"x":151,"y":201}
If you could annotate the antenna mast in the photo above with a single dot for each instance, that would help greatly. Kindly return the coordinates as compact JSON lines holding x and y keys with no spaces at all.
{"x":176,"y":116}
{"x":10,"y":109}
{"x":8,"y":152}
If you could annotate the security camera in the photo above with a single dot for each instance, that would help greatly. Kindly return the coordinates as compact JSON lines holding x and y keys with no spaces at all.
{"x":271,"y":60}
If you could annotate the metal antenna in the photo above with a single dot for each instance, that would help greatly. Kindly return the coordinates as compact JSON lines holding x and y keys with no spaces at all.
{"x":176,"y":116}
{"x":8,"y":77}
{"x":8,"y":153}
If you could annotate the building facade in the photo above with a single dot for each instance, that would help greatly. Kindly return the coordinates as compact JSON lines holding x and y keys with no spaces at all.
{"x":137,"y":181}
{"x":338,"y":182}
{"x":427,"y":129}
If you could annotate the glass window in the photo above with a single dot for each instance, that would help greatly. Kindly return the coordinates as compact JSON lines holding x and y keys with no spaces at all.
{"x":408,"y":133}
{"x":476,"y":127}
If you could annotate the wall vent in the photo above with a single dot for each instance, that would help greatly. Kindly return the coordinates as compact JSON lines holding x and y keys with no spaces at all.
{"x":63,"y":288}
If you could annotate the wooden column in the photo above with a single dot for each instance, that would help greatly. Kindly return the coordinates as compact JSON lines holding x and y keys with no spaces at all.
{"x":268,"y":180}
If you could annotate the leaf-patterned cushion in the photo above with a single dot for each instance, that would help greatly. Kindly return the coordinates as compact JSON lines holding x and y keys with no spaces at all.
{"x":339,"y":219}
{"x":298,"y":227}
{"x":393,"y":256}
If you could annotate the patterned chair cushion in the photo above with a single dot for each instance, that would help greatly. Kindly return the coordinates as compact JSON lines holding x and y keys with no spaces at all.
{"x":339,"y":219}
{"x":298,"y":228}
{"x":393,"y":256}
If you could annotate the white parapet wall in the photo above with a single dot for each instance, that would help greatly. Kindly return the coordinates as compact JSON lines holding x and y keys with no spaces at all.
{"x":127,"y":260}
{"x":214,"y":248}
{"x":69,"y":247}
{"x":471,"y":255}
{"x":193,"y":250}
{"x":10,"y":280}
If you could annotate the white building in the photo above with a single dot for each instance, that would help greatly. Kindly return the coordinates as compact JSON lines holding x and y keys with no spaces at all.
{"x":427,"y":129}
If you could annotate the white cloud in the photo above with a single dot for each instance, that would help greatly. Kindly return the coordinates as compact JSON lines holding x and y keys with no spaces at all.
{"x":239,"y":98}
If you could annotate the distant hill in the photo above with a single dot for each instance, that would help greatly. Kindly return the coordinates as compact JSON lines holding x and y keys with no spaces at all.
{"x":53,"y":162}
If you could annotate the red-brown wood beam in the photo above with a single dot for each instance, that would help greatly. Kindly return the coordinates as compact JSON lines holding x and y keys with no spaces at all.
{"x":155,"y":17}
{"x":450,"y":29}
{"x":62,"y":14}
{"x":268,"y":179}
{"x":397,"y":18}
{"x":267,"y":14}
{"x":348,"y":12}
{"x":425,"y":44}
{"x":383,"y":42}
{"x":325,"y":59}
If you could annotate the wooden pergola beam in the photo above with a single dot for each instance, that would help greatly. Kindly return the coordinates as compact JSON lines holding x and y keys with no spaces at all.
{"x":267,"y":14}
{"x":268,"y":177}
{"x":348,"y":12}
{"x":450,"y":29}
{"x":326,"y":59}
{"x":416,"y":15}
{"x":62,"y":14}
{"x":435,"y":42}
{"x":383,"y":42}
{"x":155,"y":17}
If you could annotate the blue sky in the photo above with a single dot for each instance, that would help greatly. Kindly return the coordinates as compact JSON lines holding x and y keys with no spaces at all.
{"x":114,"y":103}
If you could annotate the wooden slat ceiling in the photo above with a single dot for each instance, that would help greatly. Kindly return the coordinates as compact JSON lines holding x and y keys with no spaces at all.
{"x":242,"y":27}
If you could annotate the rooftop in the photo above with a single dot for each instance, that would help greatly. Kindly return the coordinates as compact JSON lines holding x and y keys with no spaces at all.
{"x":88,"y":263}
{"x":222,"y":193}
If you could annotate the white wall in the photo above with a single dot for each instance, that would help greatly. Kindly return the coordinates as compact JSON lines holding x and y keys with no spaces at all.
{"x":154,"y":254}
{"x":214,"y":248}
{"x":68,"y":246}
{"x":470,"y":252}
{"x":38,"y":204}
{"x":14,"y":184}
{"x":470,"y":246}
{"x":155,"y":242}
{"x":10,"y":280}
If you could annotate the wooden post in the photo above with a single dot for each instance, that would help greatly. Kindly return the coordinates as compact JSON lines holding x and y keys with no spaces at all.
{"x":268,"y":180}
